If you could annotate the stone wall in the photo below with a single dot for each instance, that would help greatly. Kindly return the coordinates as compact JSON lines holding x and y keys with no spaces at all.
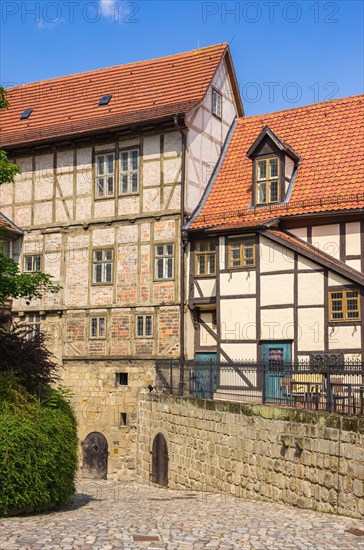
{"x":301,"y":458}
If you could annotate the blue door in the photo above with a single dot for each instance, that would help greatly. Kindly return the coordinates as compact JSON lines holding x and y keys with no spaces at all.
{"x":276,"y":359}
{"x":204,"y":376}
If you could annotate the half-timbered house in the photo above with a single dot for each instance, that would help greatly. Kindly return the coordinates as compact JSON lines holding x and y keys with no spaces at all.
{"x":111,"y":161}
{"x":277,"y":242}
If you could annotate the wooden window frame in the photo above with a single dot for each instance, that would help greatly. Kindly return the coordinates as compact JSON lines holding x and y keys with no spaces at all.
{"x":104,"y":176}
{"x":144,"y":316}
{"x":97,"y":336}
{"x":242,"y":241}
{"x":129,"y":172}
{"x":218,"y":94}
{"x":163,"y":257}
{"x":344,"y":310}
{"x":33,"y":324}
{"x":118,"y":378}
{"x":102,"y":262}
{"x":199,"y":253}
{"x":32,"y":256}
{"x":267,"y":181}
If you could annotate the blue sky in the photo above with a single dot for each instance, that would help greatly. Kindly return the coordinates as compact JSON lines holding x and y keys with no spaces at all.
{"x":286,"y":53}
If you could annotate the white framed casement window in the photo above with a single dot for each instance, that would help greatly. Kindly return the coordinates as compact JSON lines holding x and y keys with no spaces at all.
{"x":32,"y":263}
{"x":164,"y":261}
{"x":267,"y":186}
{"x":144,"y":326}
{"x":98,"y":327}
{"x":104,"y":175}
{"x":205,"y":258}
{"x":32,"y":322}
{"x":129,"y":171}
{"x":102,"y":268}
{"x":216,"y":103}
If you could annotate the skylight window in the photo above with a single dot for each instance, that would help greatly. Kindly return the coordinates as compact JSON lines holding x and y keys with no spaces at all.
{"x":105,"y":100}
{"x":26,"y":114}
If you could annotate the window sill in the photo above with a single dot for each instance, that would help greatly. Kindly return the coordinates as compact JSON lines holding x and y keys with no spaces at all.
{"x":131,"y":194}
{"x":356,"y":322}
{"x":102,"y":284}
{"x":105,"y":198}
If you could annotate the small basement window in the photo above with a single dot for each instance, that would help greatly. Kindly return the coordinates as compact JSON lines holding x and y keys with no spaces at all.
{"x":26,"y":114}
{"x":121,"y":378}
{"x":105,"y":100}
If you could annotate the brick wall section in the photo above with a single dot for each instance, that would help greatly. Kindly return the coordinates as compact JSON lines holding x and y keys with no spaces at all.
{"x":306,"y":459}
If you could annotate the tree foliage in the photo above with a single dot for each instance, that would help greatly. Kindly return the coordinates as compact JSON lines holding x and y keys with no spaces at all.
{"x":14,"y":284}
{"x":25,"y":355}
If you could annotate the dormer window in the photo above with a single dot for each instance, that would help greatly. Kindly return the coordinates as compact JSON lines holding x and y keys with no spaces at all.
{"x":267,"y":181}
{"x":274,"y":165}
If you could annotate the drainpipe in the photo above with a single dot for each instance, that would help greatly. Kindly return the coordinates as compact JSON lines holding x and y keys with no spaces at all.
{"x":182,"y":258}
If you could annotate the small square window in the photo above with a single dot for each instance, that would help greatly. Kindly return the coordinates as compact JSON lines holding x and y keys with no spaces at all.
{"x":121,"y":378}
{"x":217,"y":103}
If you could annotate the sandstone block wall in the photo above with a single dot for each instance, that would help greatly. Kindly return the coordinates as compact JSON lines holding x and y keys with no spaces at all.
{"x":308,"y":459}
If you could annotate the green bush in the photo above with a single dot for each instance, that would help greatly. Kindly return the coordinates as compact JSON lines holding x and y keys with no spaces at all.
{"x":38,"y":451}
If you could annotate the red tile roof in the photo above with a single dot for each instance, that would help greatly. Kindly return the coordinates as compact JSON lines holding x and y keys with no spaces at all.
{"x":140,"y":91}
{"x":329,"y":139}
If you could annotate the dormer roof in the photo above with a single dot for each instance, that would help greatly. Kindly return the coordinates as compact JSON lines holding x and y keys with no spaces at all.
{"x":268,"y":133}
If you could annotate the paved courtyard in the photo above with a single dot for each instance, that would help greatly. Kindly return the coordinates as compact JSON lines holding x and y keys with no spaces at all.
{"x":107,"y":515}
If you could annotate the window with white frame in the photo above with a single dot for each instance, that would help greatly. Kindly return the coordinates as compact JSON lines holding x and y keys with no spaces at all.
{"x":144,"y":326}
{"x":216,"y":103}
{"x":32,"y":322}
{"x":102,"y":266}
{"x":105,"y":175}
{"x":98,"y":327}
{"x":32,"y":263}
{"x":129,"y":171}
{"x":164,"y":261}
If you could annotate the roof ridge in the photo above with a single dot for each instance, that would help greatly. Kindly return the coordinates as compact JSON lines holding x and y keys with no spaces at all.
{"x":131,"y":63}
{"x":309,"y":106}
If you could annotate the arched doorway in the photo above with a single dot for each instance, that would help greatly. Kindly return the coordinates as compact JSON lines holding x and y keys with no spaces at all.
{"x":160,"y":460}
{"x":95,"y":451}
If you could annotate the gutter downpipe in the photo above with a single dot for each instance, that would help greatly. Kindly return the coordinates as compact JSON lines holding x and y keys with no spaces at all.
{"x":182,"y":259}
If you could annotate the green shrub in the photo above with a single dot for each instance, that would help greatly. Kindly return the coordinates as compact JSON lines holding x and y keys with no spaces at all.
{"x":38,"y":452}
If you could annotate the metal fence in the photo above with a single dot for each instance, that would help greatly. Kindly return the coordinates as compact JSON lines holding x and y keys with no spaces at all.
{"x":325,"y":387}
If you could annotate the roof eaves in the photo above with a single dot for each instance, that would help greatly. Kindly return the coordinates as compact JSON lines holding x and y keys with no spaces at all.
{"x":9,"y":225}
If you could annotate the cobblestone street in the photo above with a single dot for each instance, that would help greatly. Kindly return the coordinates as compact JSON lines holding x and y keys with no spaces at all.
{"x":107,"y":515}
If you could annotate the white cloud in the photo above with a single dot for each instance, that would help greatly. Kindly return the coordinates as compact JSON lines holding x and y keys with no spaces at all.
{"x":109,"y":8}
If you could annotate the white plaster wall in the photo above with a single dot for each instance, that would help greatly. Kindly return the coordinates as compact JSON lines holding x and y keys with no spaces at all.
{"x":238,"y":319}
{"x":310,"y":288}
{"x":327,"y":238}
{"x":277,"y":324}
{"x":355,"y":264}
{"x":208,"y":287}
{"x":344,"y":337}
{"x":205,"y":338}
{"x":238,"y":282}
{"x":304,"y":263}
{"x":352,"y":240}
{"x":240,"y":352}
{"x":311,"y":329}
{"x":274,"y":257}
{"x":276,"y":289}
{"x":334,"y":279}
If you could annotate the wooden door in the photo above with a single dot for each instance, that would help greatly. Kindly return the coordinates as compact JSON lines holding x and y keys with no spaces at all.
{"x":205,"y":376}
{"x":95,"y":453}
{"x":160,"y":460}
{"x":276,"y":358}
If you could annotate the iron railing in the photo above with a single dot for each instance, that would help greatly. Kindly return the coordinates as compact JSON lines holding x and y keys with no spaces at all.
{"x":327,"y":387}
